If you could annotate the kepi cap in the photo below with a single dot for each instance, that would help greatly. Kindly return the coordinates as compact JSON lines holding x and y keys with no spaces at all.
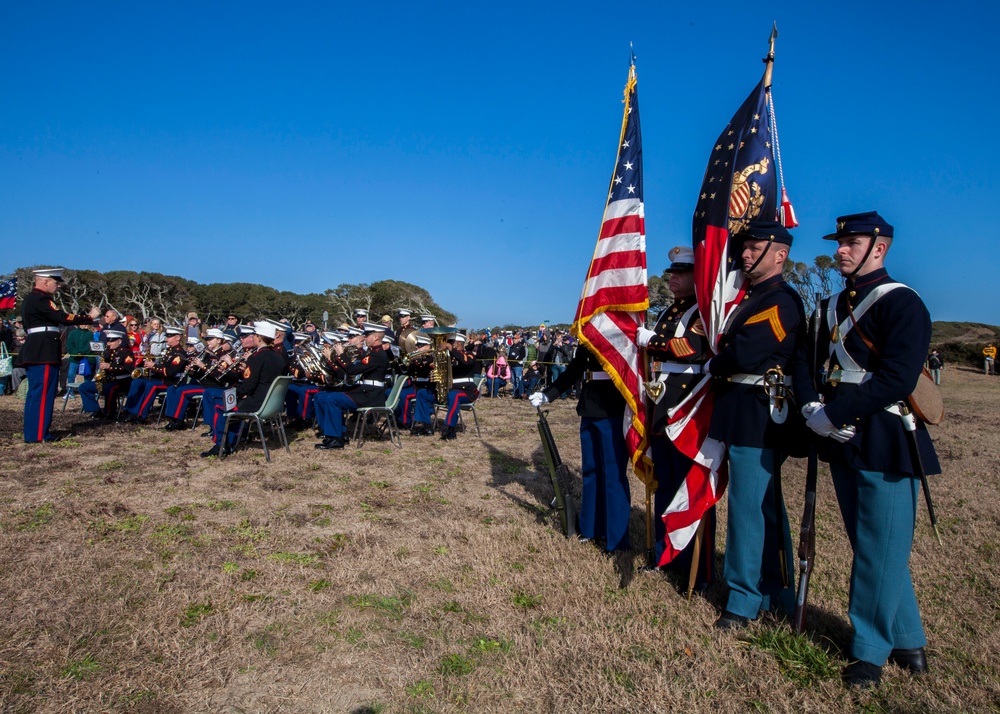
{"x":771,"y":231}
{"x":869,"y":223}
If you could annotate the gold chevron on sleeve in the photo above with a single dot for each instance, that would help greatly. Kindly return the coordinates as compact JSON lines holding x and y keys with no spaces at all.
{"x":681,"y":347}
{"x":772,"y":317}
{"x":698,"y":327}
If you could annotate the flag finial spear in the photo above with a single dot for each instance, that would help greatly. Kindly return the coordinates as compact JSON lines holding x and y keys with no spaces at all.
{"x":769,"y":60}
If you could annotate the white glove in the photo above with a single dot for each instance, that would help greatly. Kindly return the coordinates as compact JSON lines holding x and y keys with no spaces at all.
{"x":705,"y":369}
{"x":643,"y":336}
{"x":820,"y":423}
{"x":808,"y":409}
{"x":538,"y":399}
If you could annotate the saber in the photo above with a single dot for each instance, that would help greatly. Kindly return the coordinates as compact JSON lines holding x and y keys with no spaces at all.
{"x":910,"y":424}
{"x":564,"y":503}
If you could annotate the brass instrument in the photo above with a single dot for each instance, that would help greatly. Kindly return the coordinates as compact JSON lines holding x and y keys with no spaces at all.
{"x":140,"y":373}
{"x":100,"y":378}
{"x":311,"y":362}
{"x":441,"y":370}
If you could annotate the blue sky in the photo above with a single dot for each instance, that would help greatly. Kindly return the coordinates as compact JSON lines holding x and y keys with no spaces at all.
{"x":467,"y":147}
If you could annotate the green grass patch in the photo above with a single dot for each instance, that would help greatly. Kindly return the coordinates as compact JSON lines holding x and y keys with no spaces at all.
{"x":221,"y":505}
{"x":442,"y":584}
{"x":456,"y":665}
{"x":67,"y":443}
{"x":319,"y":585}
{"x":230,"y":567}
{"x":417,"y":642}
{"x":171,"y":533}
{"x":82,"y":668}
{"x":486,"y":645}
{"x":302,"y":559}
{"x":129,"y":524}
{"x":193,"y":614}
{"x":390,"y":606}
{"x":420,"y":690}
{"x":381,"y":484}
{"x":526,"y":601}
{"x":799,"y":659}
{"x":33,"y":518}
{"x":112,"y":465}
{"x":247,"y":533}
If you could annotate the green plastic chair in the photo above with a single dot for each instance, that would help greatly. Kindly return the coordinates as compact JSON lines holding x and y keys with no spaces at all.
{"x":479,"y":381}
{"x":370,"y":416}
{"x":271,"y":412}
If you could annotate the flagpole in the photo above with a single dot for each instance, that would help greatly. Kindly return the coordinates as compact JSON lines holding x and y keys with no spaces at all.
{"x":769,"y":60}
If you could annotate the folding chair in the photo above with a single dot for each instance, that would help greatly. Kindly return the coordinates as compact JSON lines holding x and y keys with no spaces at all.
{"x":72,"y":390}
{"x":372,"y":414}
{"x":470,"y":407}
{"x":271,"y":412}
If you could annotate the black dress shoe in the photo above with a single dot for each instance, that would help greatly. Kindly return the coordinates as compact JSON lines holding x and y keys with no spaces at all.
{"x":449,"y":434}
{"x":862,"y":674}
{"x":214,"y":451}
{"x":914,"y":660}
{"x":731,"y":621}
{"x":171,"y":425}
{"x":331,"y":442}
{"x":420,"y":430}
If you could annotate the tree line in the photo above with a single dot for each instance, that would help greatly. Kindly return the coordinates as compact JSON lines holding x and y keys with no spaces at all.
{"x":170,"y":298}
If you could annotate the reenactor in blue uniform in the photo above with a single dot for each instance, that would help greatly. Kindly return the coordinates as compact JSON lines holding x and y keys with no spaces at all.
{"x":368,"y":370}
{"x":115,"y":368}
{"x":41,"y":353}
{"x":606,"y":500}
{"x":760,"y":338}
{"x":678,"y":343}
{"x":163,"y":372}
{"x":875,"y":333}
{"x":262,"y":367}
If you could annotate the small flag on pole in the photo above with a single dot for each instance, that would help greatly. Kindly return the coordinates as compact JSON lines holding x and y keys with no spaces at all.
{"x":8,"y":294}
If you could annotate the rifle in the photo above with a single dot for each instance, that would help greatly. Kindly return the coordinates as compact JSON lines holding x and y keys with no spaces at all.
{"x":807,"y":531}
{"x":557,"y":473}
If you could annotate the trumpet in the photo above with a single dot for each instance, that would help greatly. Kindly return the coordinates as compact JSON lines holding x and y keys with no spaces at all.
{"x":191,"y":364}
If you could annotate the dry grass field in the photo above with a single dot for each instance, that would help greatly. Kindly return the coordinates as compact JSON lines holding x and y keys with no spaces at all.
{"x":137,"y":577}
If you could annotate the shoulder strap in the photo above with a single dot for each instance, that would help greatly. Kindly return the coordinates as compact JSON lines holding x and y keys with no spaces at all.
{"x":851,"y":322}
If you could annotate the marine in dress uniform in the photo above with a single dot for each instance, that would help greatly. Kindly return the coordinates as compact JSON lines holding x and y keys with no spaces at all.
{"x":41,"y":353}
{"x":262,"y":368}
{"x":606,"y":500}
{"x":875,"y":333}
{"x":762,"y":334}
{"x":117,"y":363}
{"x":419,"y":367}
{"x":163,"y":372}
{"x":405,"y":330}
{"x":368,"y":391}
{"x":225,"y":375}
{"x":679,"y":344}
{"x":179,"y":395}
{"x":463,"y":389}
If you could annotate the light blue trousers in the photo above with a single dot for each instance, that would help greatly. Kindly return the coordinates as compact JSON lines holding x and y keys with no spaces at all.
{"x":756,"y":535}
{"x":879,"y":510}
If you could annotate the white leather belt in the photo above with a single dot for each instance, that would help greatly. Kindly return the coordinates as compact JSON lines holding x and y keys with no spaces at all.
{"x":596,"y":376}
{"x":464,"y":380}
{"x":34,"y":330}
{"x":755,"y":380}
{"x":371,"y":383}
{"x":848,"y":376}
{"x":680,"y":368}
{"x":422,"y":380}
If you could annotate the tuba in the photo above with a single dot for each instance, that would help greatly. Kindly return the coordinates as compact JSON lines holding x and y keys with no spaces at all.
{"x":441,"y":369}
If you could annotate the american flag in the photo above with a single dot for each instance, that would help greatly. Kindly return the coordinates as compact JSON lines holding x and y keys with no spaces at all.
{"x":8,"y":294}
{"x":740,"y":186}
{"x":615,"y":294}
